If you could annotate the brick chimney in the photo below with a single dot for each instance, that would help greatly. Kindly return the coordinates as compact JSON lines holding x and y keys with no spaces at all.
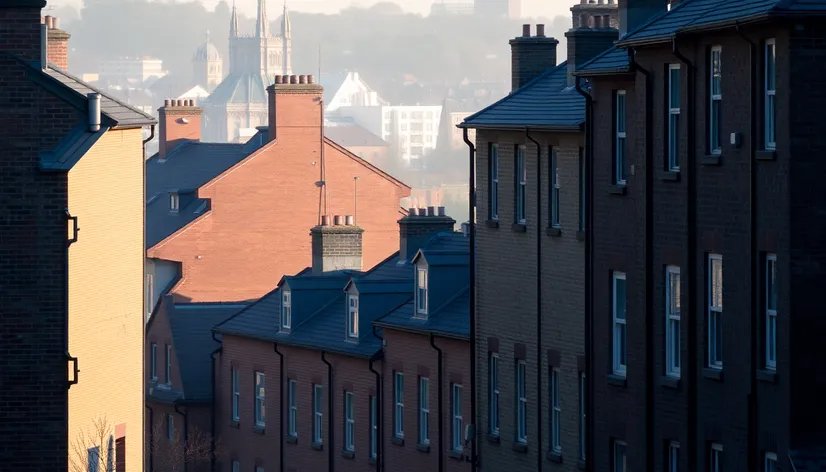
{"x":419,"y":226}
{"x":21,"y":31}
{"x":57,"y":51}
{"x":179,"y":121}
{"x":295,"y":107}
{"x":336,"y":247}
{"x":531,"y":55}
{"x":593,"y":31}
{"x":635,"y":13}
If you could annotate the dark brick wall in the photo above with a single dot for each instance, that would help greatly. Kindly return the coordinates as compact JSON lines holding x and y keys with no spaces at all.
{"x":530,"y":57}
{"x":586,"y":43}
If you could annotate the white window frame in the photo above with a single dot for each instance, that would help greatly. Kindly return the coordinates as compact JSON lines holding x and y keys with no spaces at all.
{"x":715,"y":457}
{"x":424,"y":410}
{"x":771,"y":312}
{"x":770,"y":462}
{"x":174,"y":202}
{"x":150,"y":294}
{"x":236,"y":466}
{"x":556,"y":412}
{"x":374,"y":426}
{"x":170,"y":428}
{"x":286,"y":309}
{"x":349,"y":421}
{"x":353,"y":316}
{"x":236,"y":395}
{"x":672,"y":321}
{"x":673,"y":457}
{"x":292,"y":401}
{"x":674,"y":112}
{"x":318,"y":413}
{"x":620,"y":130}
{"x":770,"y":94}
{"x":521,"y":180}
{"x":260,"y":395}
{"x":619,"y":330}
{"x":715,"y":316}
{"x":457,"y":424}
{"x":715,"y":94}
{"x":398,"y":398}
{"x":493,"y":211}
{"x":620,"y":460}
{"x":583,"y":416}
{"x":493,"y":385}
{"x":521,"y":403}
{"x":421,"y":290}
{"x":555,"y":188}
{"x":154,"y":367}
{"x":169,"y":364}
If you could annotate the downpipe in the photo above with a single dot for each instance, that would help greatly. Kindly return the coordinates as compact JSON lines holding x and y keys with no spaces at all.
{"x":214,"y":407}
{"x":440,"y":386}
{"x":330,"y":429}
{"x":151,"y":438}
{"x":538,"y":298}
{"x":379,"y":415}
{"x":186,"y":436}
{"x":474,"y":459}
{"x":281,"y":406}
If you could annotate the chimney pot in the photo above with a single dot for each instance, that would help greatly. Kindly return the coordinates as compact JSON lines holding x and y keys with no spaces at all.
{"x":277,"y":79}
{"x":293,"y":79}
{"x":412,"y":212}
{"x":422,"y":211}
{"x":311,"y":79}
{"x":540,"y":31}
{"x":166,"y":102}
{"x":285,"y":79}
{"x":48,"y":21}
{"x":598,"y":21}
{"x":349,"y":220}
{"x":55,"y":22}
{"x":441,"y":211}
{"x":325,"y":220}
{"x":302,"y":79}
{"x":526,"y":31}
{"x":431,"y":211}
{"x":337,"y":220}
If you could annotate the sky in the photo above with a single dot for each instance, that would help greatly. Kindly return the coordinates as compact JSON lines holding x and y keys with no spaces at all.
{"x":530,"y":8}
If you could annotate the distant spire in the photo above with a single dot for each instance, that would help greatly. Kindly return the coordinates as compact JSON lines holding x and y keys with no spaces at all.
{"x":286,"y":27}
{"x":207,"y":37}
{"x":262,"y":24}
{"x":233,"y":22}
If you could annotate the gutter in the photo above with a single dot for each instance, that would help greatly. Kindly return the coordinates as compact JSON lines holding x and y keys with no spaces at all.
{"x":379,"y":416}
{"x":214,"y":408}
{"x":281,"y":406}
{"x":440,"y":384}
{"x":186,"y":435}
{"x":152,"y":438}
{"x":501,"y":127}
{"x":692,"y":259}
{"x":717,"y":25}
{"x":331,"y":467}
{"x":474,"y":460}
{"x":538,"y":298}
{"x":603,"y":72}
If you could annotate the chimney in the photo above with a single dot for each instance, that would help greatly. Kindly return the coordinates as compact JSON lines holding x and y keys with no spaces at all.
{"x":57,"y":43}
{"x":294,"y":106}
{"x":336,"y":247}
{"x":93,"y":100}
{"x":593,"y":32}
{"x":634,"y":13}
{"x":531,"y":55}
{"x":179,"y":122}
{"x":418,"y":227}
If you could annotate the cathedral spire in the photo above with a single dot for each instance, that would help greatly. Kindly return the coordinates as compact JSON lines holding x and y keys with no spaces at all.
{"x":233,"y":22}
{"x":286,"y":28}
{"x":262,"y":24}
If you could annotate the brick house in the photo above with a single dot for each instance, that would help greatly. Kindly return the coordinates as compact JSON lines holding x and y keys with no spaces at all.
{"x":530,"y":243}
{"x":707,"y":144}
{"x":226,"y":221}
{"x":309,"y":350}
{"x":70,"y":301}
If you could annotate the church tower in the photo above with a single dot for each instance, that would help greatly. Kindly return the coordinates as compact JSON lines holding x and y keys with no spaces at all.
{"x":287,"y":42}
{"x":207,"y":66}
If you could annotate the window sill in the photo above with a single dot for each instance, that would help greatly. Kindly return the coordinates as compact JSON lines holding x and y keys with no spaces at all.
{"x":713,"y":374}
{"x":581,"y":465}
{"x":348,"y":454}
{"x":492,"y":223}
{"x":372,"y":461}
{"x":259,"y":429}
{"x":670,"y":176}
{"x":234,"y":424}
{"x":768,"y":376}
{"x":618,"y":189}
{"x":291,"y":439}
{"x":712,"y":160}
{"x":455,"y":455}
{"x":668,"y":381}
{"x":494,"y":439}
{"x":317,"y":446}
{"x":553,"y":456}
{"x":617,"y":380}
{"x":553,"y":232}
{"x":423,"y":447}
{"x":580,"y":235}
{"x":397,"y":441}
{"x":520,"y":447}
{"x":519,"y":227}
{"x":766,"y":155}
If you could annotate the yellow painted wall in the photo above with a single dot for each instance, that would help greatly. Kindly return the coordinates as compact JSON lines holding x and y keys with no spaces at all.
{"x":106,"y":267}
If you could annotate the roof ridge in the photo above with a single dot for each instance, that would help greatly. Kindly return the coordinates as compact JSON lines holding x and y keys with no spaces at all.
{"x":370,"y":166}
{"x":97,"y":90}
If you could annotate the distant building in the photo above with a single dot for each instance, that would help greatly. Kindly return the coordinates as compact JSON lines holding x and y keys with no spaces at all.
{"x":207,"y":66}
{"x":452,"y":7}
{"x":498,"y":8}
{"x":360,"y":142}
{"x":345,"y":89}
{"x":132,"y":72}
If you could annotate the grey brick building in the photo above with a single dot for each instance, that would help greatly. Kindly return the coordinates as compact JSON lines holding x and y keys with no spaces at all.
{"x":707,"y":167}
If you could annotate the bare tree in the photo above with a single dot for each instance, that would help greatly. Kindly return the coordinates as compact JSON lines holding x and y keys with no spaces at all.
{"x":93,"y":450}
{"x":168,"y":453}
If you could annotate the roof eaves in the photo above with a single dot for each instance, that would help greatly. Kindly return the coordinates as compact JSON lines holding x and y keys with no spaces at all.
{"x":603,"y":72}
{"x":422,"y":331}
{"x":510,"y":127}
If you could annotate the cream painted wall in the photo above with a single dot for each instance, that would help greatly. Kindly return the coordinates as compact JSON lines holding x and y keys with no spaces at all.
{"x":106,"y":273}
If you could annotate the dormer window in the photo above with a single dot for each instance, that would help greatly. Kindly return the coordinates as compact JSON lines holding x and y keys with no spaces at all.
{"x":286,"y":310}
{"x":174,"y":202}
{"x":352,"y":316}
{"x":421,"y":291}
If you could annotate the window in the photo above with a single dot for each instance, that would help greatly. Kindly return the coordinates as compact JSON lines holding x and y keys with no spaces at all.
{"x":771,"y":462}
{"x":93,"y":459}
{"x":457,"y":417}
{"x":421,"y":291}
{"x":554,"y":193}
{"x":150,"y":293}
{"x":236,"y":395}
{"x":398,"y":397}
{"x":493,"y":400}
{"x":318,"y":415}
{"x":674,"y":117}
{"x":170,"y":428}
{"x":715,"y":458}
{"x":259,"y":399}
{"x":349,"y":421}
{"x":236,"y":466}
{"x":521,"y":403}
{"x":673,"y":457}
{"x":556,"y":412}
{"x":619,"y":136}
{"x":174,"y":202}
{"x":286,"y":309}
{"x":582,"y":188}
{"x":583,"y":418}
{"x":374,"y":427}
{"x":672,"y":321}
{"x":619,"y":456}
{"x":619,"y":323}
{"x":154,"y":366}
{"x":771,"y":312}
{"x":424,"y":410}
{"x":715,"y":311}
{"x":521,"y":186}
{"x":168,"y":364}
{"x":715,"y":93}
{"x":493,"y":209}
{"x":769,"y":105}
{"x":353,"y":316}
{"x":292,"y":401}
{"x":259,"y":469}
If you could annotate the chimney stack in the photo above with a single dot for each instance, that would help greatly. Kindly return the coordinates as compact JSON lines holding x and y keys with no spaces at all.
{"x":419,"y":226}
{"x":56,"y":46}
{"x":593,"y":32}
{"x":179,"y":122}
{"x":302,"y":97}
{"x":337,"y":247}
{"x":21,"y":28}
{"x":634,"y":13}
{"x":531,"y":55}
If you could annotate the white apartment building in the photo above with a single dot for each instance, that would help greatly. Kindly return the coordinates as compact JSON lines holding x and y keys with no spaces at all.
{"x":132,"y":71}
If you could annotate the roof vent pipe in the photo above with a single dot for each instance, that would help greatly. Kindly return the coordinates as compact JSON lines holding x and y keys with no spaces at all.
{"x":94,"y":111}
{"x":44,"y":46}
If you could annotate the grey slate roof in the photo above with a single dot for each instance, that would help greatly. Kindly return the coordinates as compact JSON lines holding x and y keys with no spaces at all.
{"x":240,"y":88}
{"x":543,"y":103}
{"x":450,"y":320}
{"x":807,"y":460}
{"x":353,"y":135}
{"x":162,"y":223}
{"x":71,"y":148}
{"x":612,"y":61}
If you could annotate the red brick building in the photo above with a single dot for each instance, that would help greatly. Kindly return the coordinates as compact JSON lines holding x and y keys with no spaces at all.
{"x":226,"y":221}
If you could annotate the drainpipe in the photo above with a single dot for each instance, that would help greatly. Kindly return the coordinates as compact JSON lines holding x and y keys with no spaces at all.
{"x":281,"y":403}
{"x":440,"y":386}
{"x":214,"y":407}
{"x":474,"y":460}
{"x":379,"y":415}
{"x":649,"y":257}
{"x":151,"y":438}
{"x":589,"y":248}
{"x":692,"y":258}
{"x":330,"y":430}
{"x":755,"y":280}
{"x":186,"y":436}
{"x":538,"y":298}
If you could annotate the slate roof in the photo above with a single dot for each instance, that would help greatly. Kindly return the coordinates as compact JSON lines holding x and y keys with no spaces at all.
{"x":807,"y":460}
{"x":240,"y":88}
{"x":353,"y":135}
{"x":162,"y":223}
{"x":450,"y":320}
{"x":611,"y":61}
{"x":543,"y":103}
